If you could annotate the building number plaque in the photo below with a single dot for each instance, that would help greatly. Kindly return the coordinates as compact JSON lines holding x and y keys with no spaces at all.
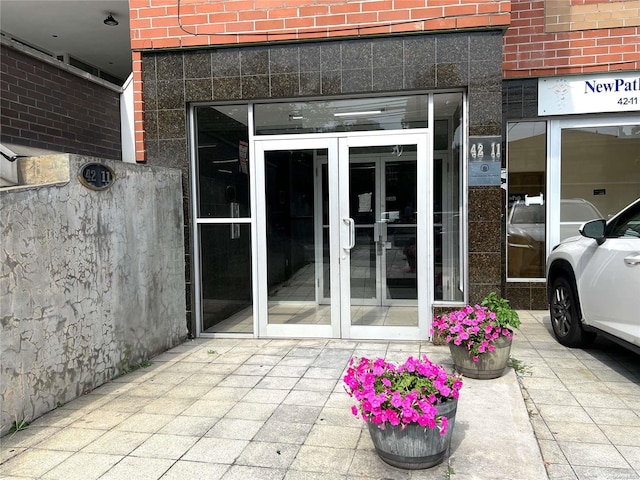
{"x":96,"y":176}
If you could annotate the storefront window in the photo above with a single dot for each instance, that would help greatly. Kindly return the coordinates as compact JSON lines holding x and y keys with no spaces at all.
{"x":600,"y":173}
{"x":358,"y":114}
{"x":526,"y":217}
{"x":222,"y":161}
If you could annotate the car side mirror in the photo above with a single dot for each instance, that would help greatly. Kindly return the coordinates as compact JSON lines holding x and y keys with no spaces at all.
{"x":594,"y":229}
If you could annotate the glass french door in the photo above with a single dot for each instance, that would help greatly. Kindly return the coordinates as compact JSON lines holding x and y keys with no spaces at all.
{"x":340,"y":236}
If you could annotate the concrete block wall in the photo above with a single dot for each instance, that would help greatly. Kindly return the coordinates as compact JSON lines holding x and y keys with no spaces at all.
{"x":92,"y":282}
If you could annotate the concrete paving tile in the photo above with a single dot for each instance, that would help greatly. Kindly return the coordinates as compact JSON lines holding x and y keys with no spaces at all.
{"x":235,"y":428}
{"x":216,"y":450}
{"x":168,"y":405}
{"x":101,"y":419}
{"x":367,"y":464}
{"x":85,"y":402}
{"x":296,"y":413}
{"x":29,"y":437}
{"x":325,"y":373}
{"x":542,"y":384}
{"x":610,"y":400}
{"x":239,"y":472}
{"x":268,"y":455}
{"x":602,"y":473}
{"x":592,"y":455}
{"x":217,"y":368}
{"x":165,"y":446}
{"x":153,"y":390}
{"x":209,"y":408}
{"x":333,"y":436}
{"x":144,"y":422}
{"x":622,"y":435}
{"x":9,"y":452}
{"x":631,"y":455}
{"x":205,"y":379}
{"x":577,"y":432}
{"x":284,"y":370}
{"x":322,"y":459}
{"x":572,"y":376}
{"x":277,"y":383}
{"x":186,"y":470}
{"x":140,"y":468}
{"x":302,"y":397}
{"x":188,"y":391}
{"x":261,"y":359}
{"x":171,"y":378}
{"x":240,"y":381}
{"x":185,"y":366}
{"x":617,"y":416}
{"x":251,"y":411}
{"x":338,"y":416}
{"x":561,"y":413}
{"x":624,"y":388}
{"x":234,"y":358}
{"x":339,"y":399}
{"x":56,"y":418}
{"x":123,"y":403}
{"x":588,"y":387}
{"x":116,"y":442}
{"x":226,"y":394}
{"x":82,"y":466}
{"x":265,"y":396}
{"x":306,"y":350}
{"x":560,"y":472}
{"x":283,"y":432}
{"x":190,"y":426}
{"x":541,"y":429}
{"x":552,"y":397}
{"x":253,"y":369}
{"x":34,"y":463}
{"x":315,"y":384}
{"x":296,"y":475}
{"x":70,"y":439}
{"x":552,"y":453}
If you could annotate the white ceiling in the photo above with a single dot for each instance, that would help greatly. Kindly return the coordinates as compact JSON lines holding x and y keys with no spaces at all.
{"x":74,"y":27}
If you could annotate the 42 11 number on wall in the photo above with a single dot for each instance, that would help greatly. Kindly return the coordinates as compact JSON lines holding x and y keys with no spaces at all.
{"x":96,"y":176}
{"x":485,"y":148}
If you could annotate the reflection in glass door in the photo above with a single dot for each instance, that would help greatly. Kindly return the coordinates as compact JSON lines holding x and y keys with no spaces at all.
{"x":297,"y":247}
{"x":382,"y":206}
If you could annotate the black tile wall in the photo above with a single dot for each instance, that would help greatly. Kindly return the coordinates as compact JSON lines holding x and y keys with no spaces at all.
{"x":397,"y":65}
{"x":520,"y":102}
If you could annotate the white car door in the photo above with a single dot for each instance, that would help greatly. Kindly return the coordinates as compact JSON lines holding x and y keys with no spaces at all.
{"x":609,"y":282}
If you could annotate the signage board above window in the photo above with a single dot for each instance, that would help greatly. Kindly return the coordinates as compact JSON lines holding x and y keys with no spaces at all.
{"x":597,"y":93}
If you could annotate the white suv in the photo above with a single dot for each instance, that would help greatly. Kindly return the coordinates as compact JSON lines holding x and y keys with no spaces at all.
{"x":593,"y":282}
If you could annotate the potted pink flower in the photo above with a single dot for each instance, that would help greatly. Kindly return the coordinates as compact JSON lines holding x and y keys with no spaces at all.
{"x":409,"y":409}
{"x":479,"y":336}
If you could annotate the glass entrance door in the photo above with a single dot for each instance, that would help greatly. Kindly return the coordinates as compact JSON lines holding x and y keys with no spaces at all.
{"x":342,"y":229}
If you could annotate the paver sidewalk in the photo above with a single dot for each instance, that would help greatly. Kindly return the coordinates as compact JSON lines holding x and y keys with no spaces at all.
{"x":261,"y":409}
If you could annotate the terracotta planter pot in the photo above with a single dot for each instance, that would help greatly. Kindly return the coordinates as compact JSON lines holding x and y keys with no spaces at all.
{"x":414,"y":447}
{"x":490,"y":365}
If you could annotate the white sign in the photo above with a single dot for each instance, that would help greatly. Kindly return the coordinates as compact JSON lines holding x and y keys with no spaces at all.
{"x":613,"y":92}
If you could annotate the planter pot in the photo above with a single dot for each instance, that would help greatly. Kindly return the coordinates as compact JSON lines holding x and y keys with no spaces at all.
{"x":414,"y":447}
{"x":490,"y":365}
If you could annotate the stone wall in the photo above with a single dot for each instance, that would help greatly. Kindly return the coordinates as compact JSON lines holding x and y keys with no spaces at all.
{"x":92,"y":282}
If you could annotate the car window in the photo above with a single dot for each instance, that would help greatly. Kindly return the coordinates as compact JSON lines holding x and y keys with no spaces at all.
{"x":578,"y":212}
{"x":526,"y":214}
{"x":628,"y":225}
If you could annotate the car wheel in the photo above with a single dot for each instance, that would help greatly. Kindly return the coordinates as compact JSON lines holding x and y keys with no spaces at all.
{"x":566,"y":318}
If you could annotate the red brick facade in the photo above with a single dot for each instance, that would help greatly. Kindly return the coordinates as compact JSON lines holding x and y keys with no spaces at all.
{"x":157,"y":24}
{"x":568,"y":42}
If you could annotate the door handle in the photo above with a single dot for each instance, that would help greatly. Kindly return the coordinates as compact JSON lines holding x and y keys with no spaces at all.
{"x":352,"y":232}
{"x":632,"y":259}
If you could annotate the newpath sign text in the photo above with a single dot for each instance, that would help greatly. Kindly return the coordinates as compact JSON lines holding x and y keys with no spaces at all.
{"x":617,"y":92}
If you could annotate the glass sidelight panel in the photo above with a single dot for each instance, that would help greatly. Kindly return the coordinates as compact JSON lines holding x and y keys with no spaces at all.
{"x":225,"y":255}
{"x":297,"y":254}
{"x":600,"y":173}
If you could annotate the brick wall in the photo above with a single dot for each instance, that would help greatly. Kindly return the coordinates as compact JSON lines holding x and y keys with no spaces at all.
{"x":157,"y":24}
{"x":48,"y":107}
{"x":565,"y":41}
